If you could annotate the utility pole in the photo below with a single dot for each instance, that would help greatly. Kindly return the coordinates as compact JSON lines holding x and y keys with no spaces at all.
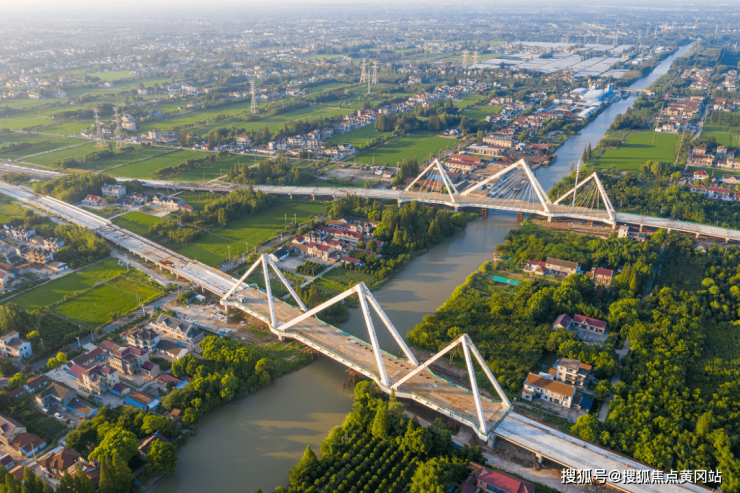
{"x":375,"y":72}
{"x":118,"y":126}
{"x":254,"y":99}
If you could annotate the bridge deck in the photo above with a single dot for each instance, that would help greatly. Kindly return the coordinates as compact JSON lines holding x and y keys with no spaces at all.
{"x":426,"y":386}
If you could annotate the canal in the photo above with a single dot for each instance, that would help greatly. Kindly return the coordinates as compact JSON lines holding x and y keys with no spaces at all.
{"x":251,"y":443}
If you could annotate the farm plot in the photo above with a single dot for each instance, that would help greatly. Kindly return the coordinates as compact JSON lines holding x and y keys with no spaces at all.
{"x":417,"y":144}
{"x":120,"y":158}
{"x":23,"y":123}
{"x":137,"y":222}
{"x":76,"y":152}
{"x":339,"y":279}
{"x":360,"y":136}
{"x":55,"y":291}
{"x":481,"y":112}
{"x":213,"y":249}
{"x":37,"y":145}
{"x":9,"y":210}
{"x":638,"y":148}
{"x":147,"y":168}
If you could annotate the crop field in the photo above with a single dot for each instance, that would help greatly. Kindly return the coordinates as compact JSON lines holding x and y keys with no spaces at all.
{"x":108,"y":301}
{"x":417,"y":144}
{"x":214,"y":170}
{"x":120,"y":158}
{"x":324,"y":87}
{"x":37,"y":144}
{"x":146,"y":169}
{"x":724,"y":135}
{"x":55,"y":291}
{"x":311,"y":113}
{"x":9,"y":210}
{"x":24,"y":122}
{"x":680,"y":273}
{"x":67,"y":128}
{"x":16,"y":137}
{"x":360,"y":136}
{"x":137,"y":222}
{"x":74,"y":153}
{"x":213,"y":248}
{"x":338,"y":280}
{"x":198,"y":199}
{"x":469,"y":99}
{"x":481,"y":112}
{"x":639,"y":148}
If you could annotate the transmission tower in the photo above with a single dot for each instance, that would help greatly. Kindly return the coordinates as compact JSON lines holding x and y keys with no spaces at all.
{"x":363,"y":75}
{"x":254,"y":99}
{"x":375,"y":72}
{"x":475,"y":58}
{"x":99,"y":132}
{"x":118,"y":126}
{"x":465,"y":59}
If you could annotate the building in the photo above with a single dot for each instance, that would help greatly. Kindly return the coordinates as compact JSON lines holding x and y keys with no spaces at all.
{"x":484,"y":479}
{"x":548,"y":389}
{"x":115,"y":191}
{"x":55,"y":464}
{"x":93,"y":200}
{"x":601,"y":277}
{"x":98,"y":380}
{"x":12,"y":346}
{"x":9,"y":429}
{"x":141,"y":400}
{"x":6,"y":278}
{"x":146,"y":443}
{"x":280,"y":254}
{"x":562,"y":322}
{"x":36,"y":383}
{"x":587,"y":323}
{"x":82,"y":408}
{"x":129,"y":360}
{"x":572,"y":371}
{"x":56,"y":393}
{"x":536,"y":268}
{"x":562,"y":268}
{"x":178,"y":329}
{"x":142,"y":338}
{"x":171,"y":350}
{"x":29,"y":444}
{"x":498,"y":141}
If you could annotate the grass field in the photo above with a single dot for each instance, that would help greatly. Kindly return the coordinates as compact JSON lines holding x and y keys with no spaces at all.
{"x":481,"y":112}
{"x":120,"y":158}
{"x":417,"y":144}
{"x":213,"y":248}
{"x":137,"y":222}
{"x":25,"y":122}
{"x":725,"y":135}
{"x":75,"y":153}
{"x":146,"y":169}
{"x":360,"y":136}
{"x":469,"y":99}
{"x":56,"y":290}
{"x":53,"y":143}
{"x":108,"y":301}
{"x":714,"y":172}
{"x":639,"y":148}
{"x":9,"y":210}
{"x":338,"y":280}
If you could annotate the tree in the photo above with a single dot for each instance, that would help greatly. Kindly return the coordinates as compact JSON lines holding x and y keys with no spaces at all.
{"x":161,"y":458}
{"x":302,"y":470}
{"x":380,"y":423}
{"x":588,"y":428}
{"x":66,"y":484}
{"x":17,"y":380}
{"x":603,"y":389}
{"x":432,"y":476}
{"x":115,"y":476}
{"x":153,"y":423}
{"x":117,"y":441}
{"x":83,"y":483}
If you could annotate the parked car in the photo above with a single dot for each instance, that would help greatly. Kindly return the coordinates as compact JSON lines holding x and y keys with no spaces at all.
{"x":58,"y":416}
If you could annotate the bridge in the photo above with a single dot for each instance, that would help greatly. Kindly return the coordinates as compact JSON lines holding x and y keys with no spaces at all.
{"x":405,"y":376}
{"x":513,"y":189}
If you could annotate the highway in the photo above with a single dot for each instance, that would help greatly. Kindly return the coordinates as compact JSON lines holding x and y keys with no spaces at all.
{"x":424,"y":387}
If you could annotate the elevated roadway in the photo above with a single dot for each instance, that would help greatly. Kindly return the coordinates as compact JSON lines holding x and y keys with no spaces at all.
{"x":417,"y":383}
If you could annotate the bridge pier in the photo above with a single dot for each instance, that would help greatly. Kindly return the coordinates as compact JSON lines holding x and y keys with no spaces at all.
{"x":491,"y":440}
{"x":520,"y":217}
{"x":539,"y":458}
{"x":640,"y":228}
{"x":549,"y":219}
{"x":697,"y":235}
{"x":313,"y":197}
{"x":484,"y":212}
{"x":290,"y":195}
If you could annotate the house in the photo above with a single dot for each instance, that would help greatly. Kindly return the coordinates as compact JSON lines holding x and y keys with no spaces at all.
{"x":320,"y":251}
{"x":142,"y":338}
{"x":12,"y":346}
{"x":82,"y":408}
{"x":536,"y":268}
{"x":498,"y":141}
{"x":700,"y":175}
{"x":166,"y":378}
{"x":175,"y":416}
{"x":57,"y":266}
{"x":9,"y":429}
{"x":633,"y":233}
{"x":129,"y":360}
{"x":485,"y":479}
{"x":548,"y":389}
{"x":56,"y":393}
{"x":115,"y":191}
{"x":120,"y":389}
{"x":141,"y":400}
{"x":562,"y":322}
{"x":29,"y":444}
{"x":147,"y":442}
{"x":22,"y":233}
{"x":55,"y":464}
{"x":110,"y":347}
{"x":53,"y":244}
{"x":731,"y":179}
{"x":587,"y":323}
{"x":93,"y":200}
{"x":571,"y":371}
{"x":279,"y":254}
{"x":559,"y":267}
{"x":243,"y":140}
{"x":178,"y":329}
{"x":149,"y":368}
{"x":353,"y":261}
{"x":601,"y":277}
{"x":7,"y":461}
{"x":171,"y":350}
{"x":36,"y":383}
{"x":98,"y":380}
{"x":6,"y":278}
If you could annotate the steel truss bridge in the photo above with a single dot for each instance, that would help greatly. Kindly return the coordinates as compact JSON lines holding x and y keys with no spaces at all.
{"x":406,"y":376}
{"x":513,"y":189}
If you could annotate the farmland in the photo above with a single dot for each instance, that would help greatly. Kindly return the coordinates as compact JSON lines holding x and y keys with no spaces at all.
{"x":639,"y":148}
{"x":8,"y":209}
{"x":257,"y":229}
{"x":481,"y":112}
{"x":74,"y":152}
{"x":146,"y":169}
{"x":91,"y":295}
{"x":360,"y":136}
{"x":37,"y":144}
{"x":338,"y":280}
{"x":724,"y":135}
{"x":137,"y":222}
{"x":417,"y":144}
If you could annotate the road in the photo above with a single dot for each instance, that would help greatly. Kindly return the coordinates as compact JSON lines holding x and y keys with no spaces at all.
{"x":29,"y":170}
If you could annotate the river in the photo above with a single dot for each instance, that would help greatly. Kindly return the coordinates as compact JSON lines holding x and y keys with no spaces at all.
{"x":251,"y":443}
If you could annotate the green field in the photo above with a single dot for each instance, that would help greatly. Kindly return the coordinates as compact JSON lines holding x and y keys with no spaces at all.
{"x":417,"y":144}
{"x":360,"y":136}
{"x":213,"y":248}
{"x":120,"y":158}
{"x":56,"y":290}
{"x":109,"y":301}
{"x":639,"y":148}
{"x":75,"y":153}
{"x":338,"y":280}
{"x":146,"y":169}
{"x":53,"y":143}
{"x":25,"y":122}
{"x":468,"y":100}
{"x":481,"y":112}
{"x":9,"y":210}
{"x":137,"y":222}
{"x":725,"y":135}
{"x":219,"y":168}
